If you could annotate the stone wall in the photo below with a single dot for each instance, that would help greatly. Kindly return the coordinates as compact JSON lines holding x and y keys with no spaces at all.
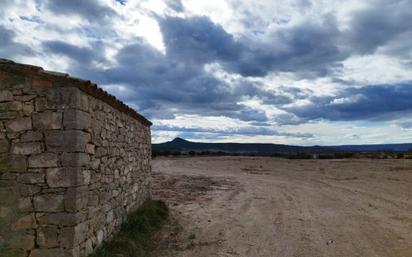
{"x":73,"y":162}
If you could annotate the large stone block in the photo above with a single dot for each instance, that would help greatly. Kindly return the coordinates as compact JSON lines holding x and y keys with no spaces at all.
{"x":19,"y":125}
{"x":67,"y":237}
{"x":28,"y":190}
{"x":47,"y":120}
{"x":27,"y":148}
{"x":61,"y":98}
{"x":61,"y":177}
{"x":25,"y":205}
{"x":5,"y":96}
{"x":47,"y":237}
{"x":12,"y":163}
{"x":75,"y":159}
{"x":25,"y":222}
{"x":31,"y":136}
{"x":4,"y":145}
{"x":40,"y":83}
{"x":8,"y":115}
{"x":31,"y":178}
{"x":11,"y":106}
{"x":67,"y":140}
{"x":22,"y":241}
{"x":49,"y":203}
{"x":44,"y":160}
{"x":5,"y":212}
{"x":62,"y":219}
{"x":90,"y":148}
{"x":76,"y":119}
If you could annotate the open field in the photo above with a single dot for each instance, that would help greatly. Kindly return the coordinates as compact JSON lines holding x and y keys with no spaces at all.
{"x":244,"y":206}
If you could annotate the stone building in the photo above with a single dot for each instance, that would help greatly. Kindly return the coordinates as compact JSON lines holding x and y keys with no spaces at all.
{"x":73,"y":162}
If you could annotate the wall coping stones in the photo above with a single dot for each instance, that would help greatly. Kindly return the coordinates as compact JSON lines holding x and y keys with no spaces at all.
{"x":45,"y":78}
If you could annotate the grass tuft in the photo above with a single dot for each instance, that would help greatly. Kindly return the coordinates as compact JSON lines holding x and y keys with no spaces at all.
{"x":135,"y":236}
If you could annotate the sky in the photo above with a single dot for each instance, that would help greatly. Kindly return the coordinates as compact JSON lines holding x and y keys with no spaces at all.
{"x":295,"y":72}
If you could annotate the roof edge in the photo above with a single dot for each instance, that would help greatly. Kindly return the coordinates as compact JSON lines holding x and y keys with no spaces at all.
{"x":84,"y":85}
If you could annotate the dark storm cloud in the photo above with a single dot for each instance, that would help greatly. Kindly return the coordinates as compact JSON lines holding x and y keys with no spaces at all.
{"x":307,"y":47}
{"x":176,"y":5}
{"x":378,"y":102}
{"x":244,"y":131}
{"x":161,"y":86}
{"x":197,"y":39}
{"x":9,"y":48}
{"x":84,"y":55}
{"x":91,"y":10}
{"x":378,"y":25}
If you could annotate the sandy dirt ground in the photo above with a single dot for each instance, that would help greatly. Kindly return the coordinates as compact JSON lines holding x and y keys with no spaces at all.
{"x":244,"y":206}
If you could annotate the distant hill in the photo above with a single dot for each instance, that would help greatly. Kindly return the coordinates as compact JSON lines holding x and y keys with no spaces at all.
{"x":185,"y":146}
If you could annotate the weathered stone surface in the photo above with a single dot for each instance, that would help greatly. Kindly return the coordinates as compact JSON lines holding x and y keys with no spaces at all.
{"x":47,"y":237}
{"x":28,"y":108}
{"x":49,"y":203}
{"x":84,"y":177}
{"x":8,"y":115}
{"x":4,"y":145}
{"x":5,"y":211}
{"x":31,"y":178}
{"x":22,"y":241}
{"x":41,"y":83}
{"x":67,"y":140}
{"x":59,"y":219}
{"x":67,"y":237}
{"x":10,"y":252}
{"x":75,"y":159}
{"x":18,"y":125}
{"x":76,"y":119}
{"x":31,"y":136}
{"x":13,"y":163}
{"x":70,"y":160}
{"x":25,"y":205}
{"x":90,"y":148}
{"x":5,"y":96}
{"x":11,"y":106}
{"x":89,"y":247}
{"x":28,"y":190}
{"x":27,"y":148}
{"x":47,"y":120}
{"x":25,"y":222}
{"x":100,"y":237}
{"x":44,"y":160}
{"x":61,"y":177}
{"x":54,"y":252}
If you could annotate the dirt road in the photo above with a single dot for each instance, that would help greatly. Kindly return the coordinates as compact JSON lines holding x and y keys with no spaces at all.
{"x":244,"y":206}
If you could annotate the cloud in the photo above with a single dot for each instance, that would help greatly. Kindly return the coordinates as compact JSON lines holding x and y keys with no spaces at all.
{"x":84,"y":55}
{"x":197,"y":40}
{"x":306,"y":47}
{"x":311,"y":61}
{"x":378,"y":102}
{"x":245,"y":131}
{"x":9,"y":48}
{"x":160,"y":85}
{"x":379,"y":24}
{"x":175,"y":5}
{"x":406,"y":125}
{"x":92,"y":10}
